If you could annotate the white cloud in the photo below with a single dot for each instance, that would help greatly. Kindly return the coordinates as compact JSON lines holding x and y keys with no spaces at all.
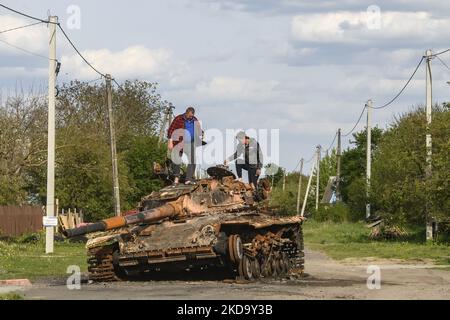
{"x":238,"y":89}
{"x":351,"y":27}
{"x":33,"y":38}
{"x":132,"y":62}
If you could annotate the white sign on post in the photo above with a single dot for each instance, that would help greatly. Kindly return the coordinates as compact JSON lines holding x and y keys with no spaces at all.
{"x":50,"y":221}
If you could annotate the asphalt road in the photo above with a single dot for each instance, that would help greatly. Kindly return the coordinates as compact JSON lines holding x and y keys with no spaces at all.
{"x":324,"y":279}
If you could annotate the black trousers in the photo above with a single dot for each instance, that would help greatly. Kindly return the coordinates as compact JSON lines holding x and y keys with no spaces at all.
{"x":252,"y":177}
{"x":189,"y":150}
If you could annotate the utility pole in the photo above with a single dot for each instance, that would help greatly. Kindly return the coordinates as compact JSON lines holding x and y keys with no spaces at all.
{"x":171,"y":108}
{"x":112,"y":136}
{"x":50,"y":205}
{"x":168,"y":115}
{"x":307,"y":188}
{"x":319,"y":150}
{"x":429,"y":101}
{"x":369,"y":156}
{"x":299,"y":192}
{"x":338,"y":170}
{"x":163,"y":125}
{"x":284,"y":181}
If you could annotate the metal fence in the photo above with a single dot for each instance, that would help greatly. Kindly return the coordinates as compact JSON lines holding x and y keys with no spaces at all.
{"x":15,"y":221}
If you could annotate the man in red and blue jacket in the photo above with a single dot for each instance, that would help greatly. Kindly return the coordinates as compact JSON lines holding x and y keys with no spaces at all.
{"x":184,"y":134}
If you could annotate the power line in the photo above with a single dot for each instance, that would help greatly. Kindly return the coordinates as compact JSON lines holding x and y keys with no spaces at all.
{"x":78,"y":52}
{"x":21,"y":27}
{"x":24,"y":14}
{"x":118,"y":85}
{"x":439,"y":53}
{"x":24,"y":50}
{"x":332,"y":143}
{"x":310,"y":159}
{"x":297,"y":164}
{"x":404,"y":87}
{"x":443,"y":63}
{"x":356,"y":124}
{"x":63,"y":32}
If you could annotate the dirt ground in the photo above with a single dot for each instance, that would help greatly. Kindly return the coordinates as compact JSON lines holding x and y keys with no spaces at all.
{"x":324,"y":279}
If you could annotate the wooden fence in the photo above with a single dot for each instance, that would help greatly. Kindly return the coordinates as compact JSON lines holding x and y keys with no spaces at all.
{"x":15,"y":221}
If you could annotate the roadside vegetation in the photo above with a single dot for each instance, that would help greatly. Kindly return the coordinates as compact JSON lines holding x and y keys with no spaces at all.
{"x":11,"y":296}
{"x":83,"y":160}
{"x":351,"y":240}
{"x":398,"y":196}
{"x":24,"y":258}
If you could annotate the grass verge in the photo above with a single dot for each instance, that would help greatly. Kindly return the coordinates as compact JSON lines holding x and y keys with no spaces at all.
{"x":28,"y":260}
{"x":350,"y":240}
{"x":11,"y":296}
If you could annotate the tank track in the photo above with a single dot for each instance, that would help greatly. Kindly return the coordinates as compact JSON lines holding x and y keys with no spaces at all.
{"x":101,"y":266}
{"x":273,"y":254}
{"x":268,"y":256}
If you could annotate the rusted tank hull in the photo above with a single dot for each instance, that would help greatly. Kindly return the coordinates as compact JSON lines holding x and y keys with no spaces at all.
{"x":219,"y":221}
{"x":264,"y":247}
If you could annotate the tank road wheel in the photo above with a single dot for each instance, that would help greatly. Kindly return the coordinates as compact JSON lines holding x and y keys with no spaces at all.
{"x":246,"y":268}
{"x":256,"y":269}
{"x":274,"y":267}
{"x":266,"y":270}
{"x":284,"y":269}
{"x":230,"y":249}
{"x":235,"y":248}
{"x":286,"y":263}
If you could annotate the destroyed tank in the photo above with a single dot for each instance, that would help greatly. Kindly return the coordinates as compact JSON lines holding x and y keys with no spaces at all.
{"x":219,"y":222}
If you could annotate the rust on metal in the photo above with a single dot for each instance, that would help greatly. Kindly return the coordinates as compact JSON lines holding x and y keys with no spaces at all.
{"x":220,"y":222}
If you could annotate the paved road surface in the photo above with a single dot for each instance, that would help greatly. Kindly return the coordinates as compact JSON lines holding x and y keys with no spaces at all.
{"x":324,"y":279}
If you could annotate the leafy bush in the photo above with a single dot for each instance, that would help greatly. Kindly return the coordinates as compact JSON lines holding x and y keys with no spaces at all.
{"x":332,"y":212}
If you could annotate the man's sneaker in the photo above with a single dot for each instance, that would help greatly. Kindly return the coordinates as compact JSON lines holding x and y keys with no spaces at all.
{"x":190,"y":183}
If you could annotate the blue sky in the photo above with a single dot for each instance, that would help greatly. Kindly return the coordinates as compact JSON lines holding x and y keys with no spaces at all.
{"x":304,"y":67}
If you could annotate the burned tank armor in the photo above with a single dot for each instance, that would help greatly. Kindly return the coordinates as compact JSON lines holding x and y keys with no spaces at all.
{"x":218,"y":222}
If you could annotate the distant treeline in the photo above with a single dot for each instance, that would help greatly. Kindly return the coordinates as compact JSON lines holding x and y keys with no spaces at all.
{"x":399,"y":190}
{"x":83,"y":160}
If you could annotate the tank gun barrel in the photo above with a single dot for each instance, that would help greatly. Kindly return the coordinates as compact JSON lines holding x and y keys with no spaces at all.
{"x":153,"y":215}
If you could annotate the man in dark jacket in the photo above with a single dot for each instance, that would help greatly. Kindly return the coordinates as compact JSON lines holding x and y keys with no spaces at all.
{"x":253,"y":158}
{"x":184,"y":135}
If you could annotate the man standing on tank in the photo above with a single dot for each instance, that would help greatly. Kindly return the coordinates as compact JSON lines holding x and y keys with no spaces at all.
{"x":184,"y":134}
{"x":253,"y":158}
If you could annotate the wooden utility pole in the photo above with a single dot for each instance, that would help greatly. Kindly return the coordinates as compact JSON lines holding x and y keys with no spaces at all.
{"x":369,"y":156}
{"x":163,"y":126}
{"x":314,"y":167}
{"x":428,"y":172}
{"x":168,"y":115}
{"x":319,"y":150}
{"x":299,"y":192}
{"x":338,"y":170}
{"x":50,"y":205}
{"x":112,"y":136}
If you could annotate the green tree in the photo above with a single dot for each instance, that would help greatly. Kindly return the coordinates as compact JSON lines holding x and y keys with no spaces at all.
{"x":274,"y":173}
{"x":83,"y":170}
{"x":353,"y":171}
{"x":400,"y":189}
{"x":142,"y":152}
